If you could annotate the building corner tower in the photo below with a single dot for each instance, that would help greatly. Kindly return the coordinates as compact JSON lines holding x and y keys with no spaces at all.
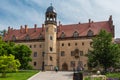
{"x":50,"y":38}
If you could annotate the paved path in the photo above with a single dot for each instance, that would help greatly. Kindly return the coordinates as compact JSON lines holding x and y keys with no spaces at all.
{"x":51,"y":75}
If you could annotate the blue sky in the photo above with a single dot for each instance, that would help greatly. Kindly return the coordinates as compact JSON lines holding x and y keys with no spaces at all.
{"x":15,"y":13}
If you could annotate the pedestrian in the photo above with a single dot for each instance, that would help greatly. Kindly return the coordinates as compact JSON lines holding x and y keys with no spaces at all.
{"x":56,"y":69}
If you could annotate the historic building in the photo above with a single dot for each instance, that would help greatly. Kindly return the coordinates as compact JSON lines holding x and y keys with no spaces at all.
{"x":59,"y":45}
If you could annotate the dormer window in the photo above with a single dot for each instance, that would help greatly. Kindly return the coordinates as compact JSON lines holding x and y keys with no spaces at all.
{"x":75,"y":34}
{"x":27,"y":37}
{"x":14,"y":38}
{"x":40,"y":36}
{"x":90,"y":33}
{"x":62,"y":35}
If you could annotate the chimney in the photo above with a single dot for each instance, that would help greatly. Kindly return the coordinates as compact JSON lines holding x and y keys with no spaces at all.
{"x":21,"y":29}
{"x":8,"y":29}
{"x":35,"y":27}
{"x":43,"y":27}
{"x":89,"y":20}
{"x":59,"y":28}
{"x":26,"y":29}
{"x":110,"y":18}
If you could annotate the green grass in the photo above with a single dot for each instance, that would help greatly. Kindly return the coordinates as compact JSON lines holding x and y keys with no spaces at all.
{"x":113,"y":75}
{"x":21,"y":75}
{"x":108,"y":75}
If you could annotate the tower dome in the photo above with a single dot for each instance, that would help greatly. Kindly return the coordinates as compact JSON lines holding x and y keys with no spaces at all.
{"x":50,"y":9}
{"x":50,"y":15}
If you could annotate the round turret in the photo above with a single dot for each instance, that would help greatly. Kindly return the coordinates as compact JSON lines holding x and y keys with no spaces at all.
{"x":50,"y":16}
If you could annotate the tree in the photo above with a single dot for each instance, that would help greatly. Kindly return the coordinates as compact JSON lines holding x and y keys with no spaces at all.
{"x":105,"y":53}
{"x":23,"y":53}
{"x":8,"y":64}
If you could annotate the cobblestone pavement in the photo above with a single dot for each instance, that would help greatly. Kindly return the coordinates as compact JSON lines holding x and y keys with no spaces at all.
{"x":51,"y":75}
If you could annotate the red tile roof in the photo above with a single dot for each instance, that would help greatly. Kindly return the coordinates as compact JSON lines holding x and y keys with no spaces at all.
{"x":82,"y":29}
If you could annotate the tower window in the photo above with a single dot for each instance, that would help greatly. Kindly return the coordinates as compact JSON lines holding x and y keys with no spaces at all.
{"x":82,"y":43}
{"x":51,"y":58}
{"x":51,"y":49}
{"x":62,"y":44}
{"x":51,"y":38}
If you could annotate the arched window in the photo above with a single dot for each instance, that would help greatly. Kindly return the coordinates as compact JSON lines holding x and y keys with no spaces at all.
{"x":27,"y":37}
{"x":13,"y":38}
{"x":62,"y":35}
{"x":90,"y":33}
{"x":75,"y":34}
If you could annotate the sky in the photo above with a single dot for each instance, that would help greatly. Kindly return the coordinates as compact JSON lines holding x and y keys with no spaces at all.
{"x":15,"y":13}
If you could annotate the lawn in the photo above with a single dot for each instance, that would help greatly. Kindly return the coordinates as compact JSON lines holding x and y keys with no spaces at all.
{"x":21,"y":75}
{"x":113,"y":75}
{"x":110,"y":76}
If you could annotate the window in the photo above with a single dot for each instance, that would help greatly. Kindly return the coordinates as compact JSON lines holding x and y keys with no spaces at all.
{"x":72,"y":63}
{"x":40,"y":46}
{"x":51,"y":38}
{"x":51,"y":58}
{"x":62,"y":44}
{"x":80,"y":63}
{"x":68,"y":44}
{"x":75,"y":44}
{"x":40,"y":36}
{"x":72,"y":53}
{"x":90,"y":33}
{"x":81,"y":53}
{"x":82,"y":43}
{"x":62,"y":35}
{"x":34,"y":46}
{"x":30,"y":46}
{"x":27,"y":37}
{"x":35,"y":63}
{"x":62,"y":53}
{"x":43,"y":54}
{"x":35,"y":54}
{"x":13,"y":38}
{"x":75,"y":34}
{"x":51,"y":49}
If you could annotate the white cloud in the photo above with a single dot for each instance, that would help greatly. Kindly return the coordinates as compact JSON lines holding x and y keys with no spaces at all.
{"x":21,"y":12}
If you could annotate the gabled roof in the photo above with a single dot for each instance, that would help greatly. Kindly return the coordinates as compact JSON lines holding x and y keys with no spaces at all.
{"x":82,"y":29}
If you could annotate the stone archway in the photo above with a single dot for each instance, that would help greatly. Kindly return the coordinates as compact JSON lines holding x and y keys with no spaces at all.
{"x":64,"y":67}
